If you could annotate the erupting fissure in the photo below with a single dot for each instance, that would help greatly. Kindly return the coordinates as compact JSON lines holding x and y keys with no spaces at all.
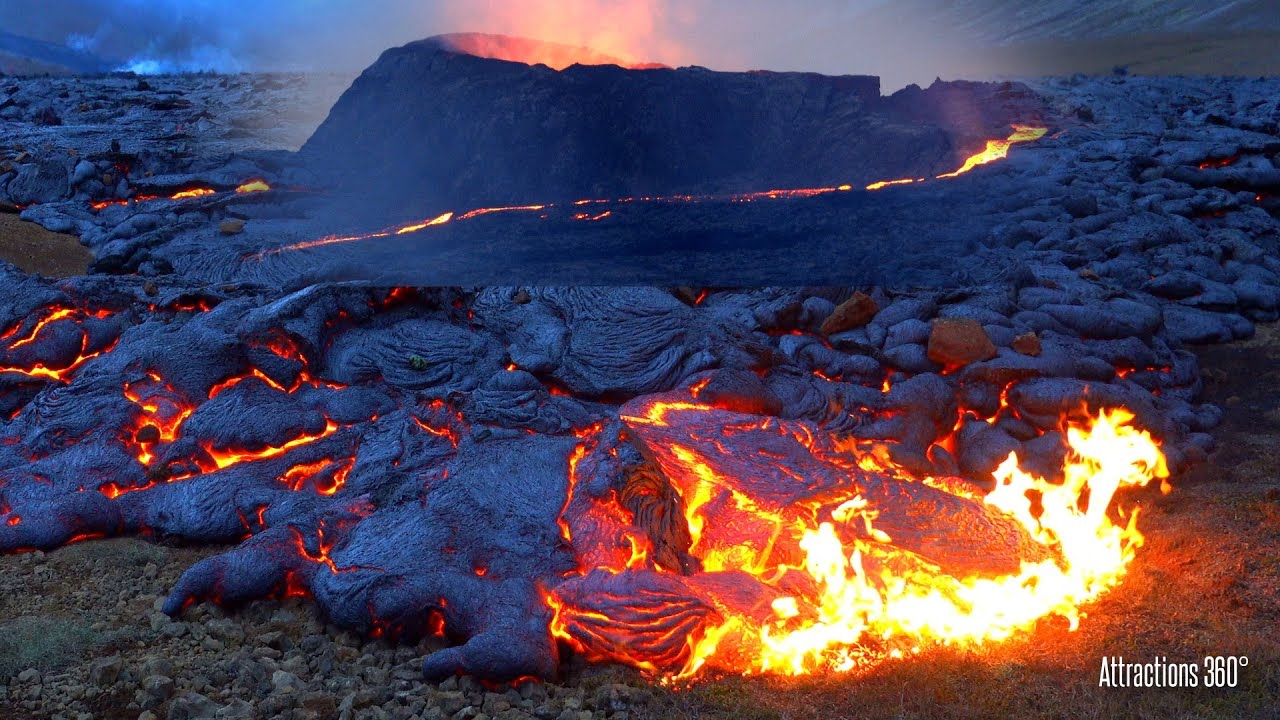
{"x":994,"y":150}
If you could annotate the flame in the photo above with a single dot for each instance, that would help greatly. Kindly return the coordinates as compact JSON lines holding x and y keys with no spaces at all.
{"x":834,"y":591}
{"x":996,"y":149}
{"x":919,"y":605}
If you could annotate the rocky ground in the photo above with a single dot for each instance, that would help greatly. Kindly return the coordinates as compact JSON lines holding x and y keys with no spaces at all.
{"x":81,"y":635}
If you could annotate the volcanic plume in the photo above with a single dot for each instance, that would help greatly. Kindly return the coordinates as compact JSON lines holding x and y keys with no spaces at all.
{"x":533,"y":52}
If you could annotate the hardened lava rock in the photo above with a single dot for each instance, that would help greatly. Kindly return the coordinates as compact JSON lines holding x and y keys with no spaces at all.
{"x":493,"y":467}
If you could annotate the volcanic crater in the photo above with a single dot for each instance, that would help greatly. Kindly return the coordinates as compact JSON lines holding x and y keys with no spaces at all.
{"x":976,"y":333}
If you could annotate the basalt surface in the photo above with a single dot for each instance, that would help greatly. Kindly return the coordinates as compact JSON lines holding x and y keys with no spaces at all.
{"x":428,"y":127}
{"x":468,"y":462}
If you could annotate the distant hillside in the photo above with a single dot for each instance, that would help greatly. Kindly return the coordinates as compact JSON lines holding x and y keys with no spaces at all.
{"x":912,"y":41}
{"x":24,"y":56}
{"x":999,"y":22}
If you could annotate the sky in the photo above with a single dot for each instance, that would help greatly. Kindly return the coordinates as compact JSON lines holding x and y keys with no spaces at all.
{"x":235,"y":35}
{"x":901,"y":40}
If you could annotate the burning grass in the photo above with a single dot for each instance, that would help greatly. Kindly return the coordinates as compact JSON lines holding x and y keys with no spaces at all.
{"x":1207,"y":582}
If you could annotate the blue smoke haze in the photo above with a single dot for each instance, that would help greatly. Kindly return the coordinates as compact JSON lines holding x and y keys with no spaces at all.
{"x":901,"y":40}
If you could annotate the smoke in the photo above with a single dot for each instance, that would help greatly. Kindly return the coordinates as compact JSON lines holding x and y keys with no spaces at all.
{"x":636,"y":31}
{"x":900,"y":40}
{"x":235,"y":35}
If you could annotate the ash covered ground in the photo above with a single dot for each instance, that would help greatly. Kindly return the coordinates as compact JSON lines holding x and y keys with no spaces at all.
{"x":152,"y":395}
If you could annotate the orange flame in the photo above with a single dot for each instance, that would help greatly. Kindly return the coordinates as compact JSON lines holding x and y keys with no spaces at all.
{"x":904,"y":606}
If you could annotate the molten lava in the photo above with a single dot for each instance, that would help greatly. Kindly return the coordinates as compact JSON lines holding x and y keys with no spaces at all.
{"x":998,"y":149}
{"x":26,"y":333}
{"x":252,"y":186}
{"x":995,"y":150}
{"x":825,"y":575}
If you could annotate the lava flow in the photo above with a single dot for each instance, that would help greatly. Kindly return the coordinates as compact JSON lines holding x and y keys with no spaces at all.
{"x":834,"y":556}
{"x":995,"y":150}
{"x":252,"y":186}
{"x":58,"y":372}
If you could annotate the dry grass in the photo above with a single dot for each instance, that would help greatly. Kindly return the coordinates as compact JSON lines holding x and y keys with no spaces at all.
{"x":39,"y":251}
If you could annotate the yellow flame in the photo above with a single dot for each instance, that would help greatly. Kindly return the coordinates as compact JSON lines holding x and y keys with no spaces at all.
{"x":906,"y":608}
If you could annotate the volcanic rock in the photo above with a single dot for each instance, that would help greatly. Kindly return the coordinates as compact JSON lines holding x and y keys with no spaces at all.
{"x":40,"y":182}
{"x":852,"y":313}
{"x":193,"y":706}
{"x":1027,"y":344}
{"x":104,"y":671}
{"x":156,"y":689}
{"x":429,"y":126}
{"x":232,"y":226}
{"x":454,"y":418}
{"x":957,"y":342}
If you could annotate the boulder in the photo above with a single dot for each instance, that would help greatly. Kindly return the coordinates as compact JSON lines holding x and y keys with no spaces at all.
{"x":956,"y":342}
{"x":852,"y":313}
{"x":1027,"y":344}
{"x":41,"y":182}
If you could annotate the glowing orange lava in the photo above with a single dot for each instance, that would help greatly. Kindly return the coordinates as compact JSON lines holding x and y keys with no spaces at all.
{"x":251,"y":186}
{"x":40,"y":371}
{"x":226,"y":458}
{"x":840,"y":596}
{"x":995,"y":150}
{"x":998,"y":149}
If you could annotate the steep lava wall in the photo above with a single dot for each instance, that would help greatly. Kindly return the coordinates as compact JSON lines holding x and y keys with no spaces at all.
{"x":428,"y":125}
